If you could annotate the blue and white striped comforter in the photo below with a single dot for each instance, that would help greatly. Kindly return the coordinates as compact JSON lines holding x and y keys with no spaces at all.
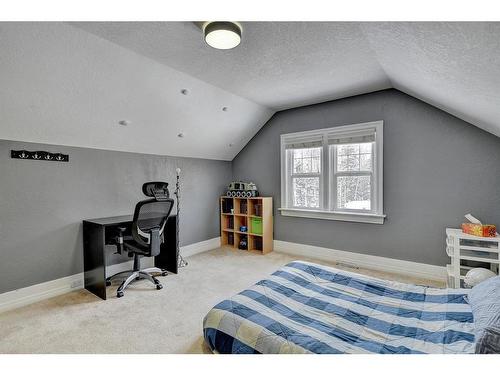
{"x":308,"y":308}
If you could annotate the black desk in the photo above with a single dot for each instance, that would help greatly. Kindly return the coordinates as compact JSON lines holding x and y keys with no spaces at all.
{"x":97,"y":233}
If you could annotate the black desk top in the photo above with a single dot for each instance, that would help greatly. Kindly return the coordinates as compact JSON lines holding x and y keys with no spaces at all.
{"x":113,"y":220}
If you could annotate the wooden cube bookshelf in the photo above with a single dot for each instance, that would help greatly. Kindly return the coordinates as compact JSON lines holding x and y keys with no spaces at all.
{"x":237,"y":212}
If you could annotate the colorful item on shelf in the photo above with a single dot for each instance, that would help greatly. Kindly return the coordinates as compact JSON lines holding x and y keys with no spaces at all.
{"x":243,"y":228}
{"x":481,"y":230}
{"x":256,"y":225}
{"x":243,"y":243}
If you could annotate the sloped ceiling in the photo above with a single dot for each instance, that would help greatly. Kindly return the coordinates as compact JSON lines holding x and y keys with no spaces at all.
{"x":452,"y":65}
{"x":71,"y":83}
{"x":278,"y":64}
{"x":61,"y":85}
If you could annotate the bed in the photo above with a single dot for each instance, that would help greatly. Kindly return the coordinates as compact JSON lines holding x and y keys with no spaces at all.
{"x":309,"y":308}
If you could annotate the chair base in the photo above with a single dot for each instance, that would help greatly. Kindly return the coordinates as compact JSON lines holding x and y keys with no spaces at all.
{"x":137,"y":275}
{"x":145,"y":274}
{"x":155,"y":270}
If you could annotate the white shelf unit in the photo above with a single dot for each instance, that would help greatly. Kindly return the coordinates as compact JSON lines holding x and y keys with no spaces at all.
{"x":467,"y":252}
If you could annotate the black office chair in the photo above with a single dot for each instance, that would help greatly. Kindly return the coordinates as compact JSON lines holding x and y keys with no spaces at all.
{"x":150,"y":217}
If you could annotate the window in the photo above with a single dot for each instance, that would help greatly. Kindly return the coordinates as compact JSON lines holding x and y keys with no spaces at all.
{"x":334,"y":173}
{"x":306,"y":176}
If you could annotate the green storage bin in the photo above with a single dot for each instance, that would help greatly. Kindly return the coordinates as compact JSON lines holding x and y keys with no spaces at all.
{"x":256,"y":225}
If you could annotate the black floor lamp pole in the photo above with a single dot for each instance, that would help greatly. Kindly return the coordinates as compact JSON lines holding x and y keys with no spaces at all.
{"x":182,"y":262}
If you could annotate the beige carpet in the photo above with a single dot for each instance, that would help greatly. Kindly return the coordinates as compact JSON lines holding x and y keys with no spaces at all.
{"x":145,"y":320}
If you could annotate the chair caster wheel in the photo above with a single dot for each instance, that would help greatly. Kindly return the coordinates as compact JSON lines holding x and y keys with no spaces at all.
{"x":108,"y":283}
{"x":164,"y":273}
{"x":159,"y":286}
{"x":119,"y":294}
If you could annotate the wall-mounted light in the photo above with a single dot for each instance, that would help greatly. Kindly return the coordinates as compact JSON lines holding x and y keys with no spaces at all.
{"x":222,"y":34}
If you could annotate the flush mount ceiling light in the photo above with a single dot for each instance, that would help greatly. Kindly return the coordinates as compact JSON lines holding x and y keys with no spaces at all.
{"x":222,"y":34}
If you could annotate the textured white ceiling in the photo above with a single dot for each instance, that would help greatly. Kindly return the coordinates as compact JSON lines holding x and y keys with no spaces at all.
{"x":452,"y":65}
{"x":278,"y":64}
{"x":70,"y":85}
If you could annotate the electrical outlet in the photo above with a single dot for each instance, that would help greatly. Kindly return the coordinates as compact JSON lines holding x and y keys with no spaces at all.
{"x":76,"y":284}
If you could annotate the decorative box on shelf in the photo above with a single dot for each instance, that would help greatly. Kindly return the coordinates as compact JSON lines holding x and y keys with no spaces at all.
{"x":481,"y":230}
{"x":467,"y":251}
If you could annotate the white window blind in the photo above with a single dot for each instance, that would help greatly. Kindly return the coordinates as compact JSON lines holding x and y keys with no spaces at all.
{"x":304,"y":142}
{"x":354,"y":138}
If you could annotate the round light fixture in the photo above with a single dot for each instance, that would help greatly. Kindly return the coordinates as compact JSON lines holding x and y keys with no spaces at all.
{"x":222,"y":34}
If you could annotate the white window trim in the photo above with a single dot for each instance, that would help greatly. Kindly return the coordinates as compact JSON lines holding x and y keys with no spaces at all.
{"x":332,"y":215}
{"x":374,"y":216}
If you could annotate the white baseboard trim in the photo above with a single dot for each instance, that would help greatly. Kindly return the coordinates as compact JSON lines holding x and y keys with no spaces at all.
{"x":414,"y":269}
{"x":200,"y":247}
{"x":35,"y":293}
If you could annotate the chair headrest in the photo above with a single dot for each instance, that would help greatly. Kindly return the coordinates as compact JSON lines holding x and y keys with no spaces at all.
{"x":156,"y":189}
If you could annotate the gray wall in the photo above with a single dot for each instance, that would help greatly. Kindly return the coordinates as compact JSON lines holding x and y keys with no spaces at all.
{"x":42,"y":204}
{"x":436,"y":168}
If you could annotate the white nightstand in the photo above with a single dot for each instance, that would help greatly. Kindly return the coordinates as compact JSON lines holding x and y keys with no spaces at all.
{"x":467,"y":252}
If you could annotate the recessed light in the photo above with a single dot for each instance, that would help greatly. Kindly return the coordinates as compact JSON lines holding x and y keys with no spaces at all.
{"x":181,"y":135}
{"x":124,"y":122}
{"x":184,"y":91}
{"x":225,"y":109}
{"x":222,"y":34}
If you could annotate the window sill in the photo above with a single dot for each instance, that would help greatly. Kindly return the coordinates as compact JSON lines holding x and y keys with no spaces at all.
{"x":329,"y":215}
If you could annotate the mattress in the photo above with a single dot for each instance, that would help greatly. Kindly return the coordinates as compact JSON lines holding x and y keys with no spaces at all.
{"x":309,"y":308}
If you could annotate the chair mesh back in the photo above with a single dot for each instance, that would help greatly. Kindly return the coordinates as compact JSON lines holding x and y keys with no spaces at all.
{"x":150,"y":214}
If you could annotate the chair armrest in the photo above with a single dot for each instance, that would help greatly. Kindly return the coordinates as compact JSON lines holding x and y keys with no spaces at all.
{"x":155,"y":242}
